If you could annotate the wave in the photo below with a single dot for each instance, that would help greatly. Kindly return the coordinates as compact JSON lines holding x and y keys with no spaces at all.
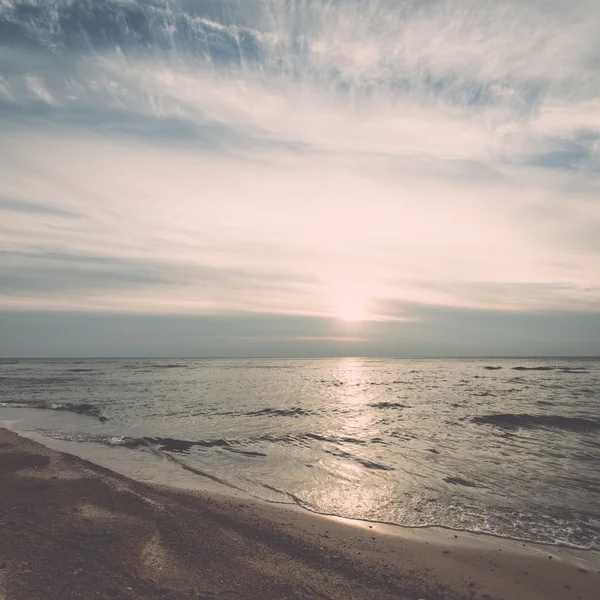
{"x":28,"y":382}
{"x":301,"y":437}
{"x":172,"y":444}
{"x":179,"y":446}
{"x":159,"y":444}
{"x":534,"y":368}
{"x":281,"y":412}
{"x":81,"y":409}
{"x":247,"y":452}
{"x":490,"y":368}
{"x":368,"y":464}
{"x":388,"y":405}
{"x":333,"y":440}
{"x":551,"y":368}
{"x":333,"y":383}
{"x":459,"y":481}
{"x":526,"y":421}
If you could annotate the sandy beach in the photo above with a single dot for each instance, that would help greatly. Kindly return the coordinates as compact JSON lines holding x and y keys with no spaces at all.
{"x":72,"y":529}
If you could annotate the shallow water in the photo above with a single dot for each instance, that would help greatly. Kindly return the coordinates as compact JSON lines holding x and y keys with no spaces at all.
{"x":503,"y":446}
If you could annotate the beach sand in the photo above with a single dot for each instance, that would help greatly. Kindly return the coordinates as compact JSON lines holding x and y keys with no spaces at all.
{"x":73,"y":530}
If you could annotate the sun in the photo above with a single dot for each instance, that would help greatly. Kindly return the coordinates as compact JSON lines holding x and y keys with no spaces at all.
{"x":350,"y":308}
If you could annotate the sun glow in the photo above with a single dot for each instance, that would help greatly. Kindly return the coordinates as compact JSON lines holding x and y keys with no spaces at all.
{"x":351,"y":308}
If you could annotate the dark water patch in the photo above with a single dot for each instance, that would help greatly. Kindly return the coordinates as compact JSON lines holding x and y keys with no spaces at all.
{"x":377,"y":440}
{"x":433,"y":450}
{"x":81,"y":370}
{"x":490,"y":368}
{"x":175,"y":445}
{"x":272,"y":438}
{"x":373,"y":465}
{"x":268,"y":367}
{"x":351,"y":440}
{"x":534,"y":368}
{"x":32,"y":382}
{"x":159,"y":443}
{"x":459,"y":481}
{"x":402,"y":434}
{"x":544,"y":403}
{"x":553,"y":368}
{"x":246,"y":452}
{"x":308,"y":437}
{"x":388,"y":405}
{"x":81,"y":409}
{"x":293,"y":439}
{"x":333,"y":440}
{"x":483,"y":394}
{"x":368,"y":464}
{"x":317,"y":436}
{"x":526,"y":421}
{"x":281,"y":412}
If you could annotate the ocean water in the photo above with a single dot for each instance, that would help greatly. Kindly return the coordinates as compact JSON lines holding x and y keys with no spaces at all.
{"x":509,"y":447}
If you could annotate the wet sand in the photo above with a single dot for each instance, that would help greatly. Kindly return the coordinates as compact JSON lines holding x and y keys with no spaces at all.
{"x":71,"y":529}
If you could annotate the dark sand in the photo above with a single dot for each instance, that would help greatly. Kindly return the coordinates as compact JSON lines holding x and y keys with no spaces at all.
{"x":71,"y":529}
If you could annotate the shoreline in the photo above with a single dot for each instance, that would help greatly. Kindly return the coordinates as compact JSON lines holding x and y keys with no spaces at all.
{"x":153,"y":469}
{"x":152,"y":541}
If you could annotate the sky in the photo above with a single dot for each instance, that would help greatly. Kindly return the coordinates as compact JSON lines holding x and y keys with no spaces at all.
{"x":299,"y":177}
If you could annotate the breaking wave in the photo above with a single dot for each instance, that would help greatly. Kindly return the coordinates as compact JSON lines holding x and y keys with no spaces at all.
{"x":81,"y":409}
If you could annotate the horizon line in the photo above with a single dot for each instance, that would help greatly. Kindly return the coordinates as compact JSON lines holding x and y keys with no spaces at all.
{"x":247,"y":357}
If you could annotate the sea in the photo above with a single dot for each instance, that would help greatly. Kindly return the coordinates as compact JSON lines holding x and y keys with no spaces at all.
{"x":508,"y":447}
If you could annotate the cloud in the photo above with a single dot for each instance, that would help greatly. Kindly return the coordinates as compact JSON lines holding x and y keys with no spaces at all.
{"x":271,"y":155}
{"x":28,"y":207}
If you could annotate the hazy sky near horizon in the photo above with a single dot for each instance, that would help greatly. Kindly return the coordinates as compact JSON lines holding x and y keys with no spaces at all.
{"x":299,"y":177}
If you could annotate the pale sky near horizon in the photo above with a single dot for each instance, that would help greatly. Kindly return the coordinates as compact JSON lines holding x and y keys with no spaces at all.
{"x":299,"y":177}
